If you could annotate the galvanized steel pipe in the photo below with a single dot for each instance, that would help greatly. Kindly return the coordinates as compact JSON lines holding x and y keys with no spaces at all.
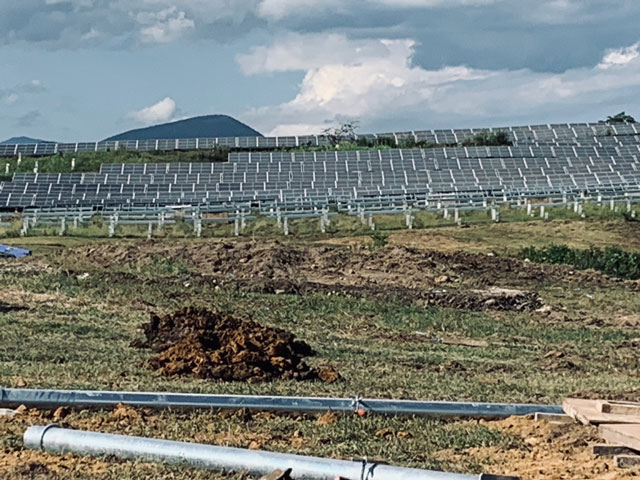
{"x":60,"y":440}
{"x":100,"y":399}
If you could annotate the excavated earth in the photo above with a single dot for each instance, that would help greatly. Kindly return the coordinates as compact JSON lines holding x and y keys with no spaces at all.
{"x":538,"y":451}
{"x":212,"y":345}
{"x":456,"y":280}
{"x":546,"y":451}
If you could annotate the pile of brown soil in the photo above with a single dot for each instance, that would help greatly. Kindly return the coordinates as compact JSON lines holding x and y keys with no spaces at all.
{"x":545,"y":451}
{"x":212,"y":345}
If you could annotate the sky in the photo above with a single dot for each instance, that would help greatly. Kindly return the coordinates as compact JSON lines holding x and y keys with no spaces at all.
{"x":83,"y":70}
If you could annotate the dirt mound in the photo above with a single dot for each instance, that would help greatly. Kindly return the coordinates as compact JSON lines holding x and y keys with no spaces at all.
{"x":543,"y":451}
{"x":212,"y":345}
{"x":392,"y":265}
{"x":459,"y":279}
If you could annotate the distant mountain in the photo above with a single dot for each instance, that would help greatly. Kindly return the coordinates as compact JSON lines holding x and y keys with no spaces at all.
{"x":197,"y":127}
{"x":23,"y":140}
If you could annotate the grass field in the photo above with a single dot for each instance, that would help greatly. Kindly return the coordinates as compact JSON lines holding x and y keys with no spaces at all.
{"x":70,"y":312}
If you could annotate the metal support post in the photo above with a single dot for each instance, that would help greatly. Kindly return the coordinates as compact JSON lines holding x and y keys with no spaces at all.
{"x":409,"y":220}
{"x":112,"y":225}
{"x":372,"y":225}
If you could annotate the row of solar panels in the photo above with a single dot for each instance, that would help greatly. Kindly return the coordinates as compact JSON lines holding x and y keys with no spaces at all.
{"x":447,"y":178}
{"x":535,"y":134}
{"x":195,"y":173}
{"x":540,"y":189}
{"x":58,"y":190}
{"x":243,"y":161}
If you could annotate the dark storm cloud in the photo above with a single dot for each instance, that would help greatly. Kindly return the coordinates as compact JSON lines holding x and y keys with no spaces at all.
{"x":546,"y":35}
{"x":58,"y":24}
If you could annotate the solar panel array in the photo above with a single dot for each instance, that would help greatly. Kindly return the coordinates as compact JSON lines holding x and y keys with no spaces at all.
{"x":319,"y":178}
{"x":561,"y":134}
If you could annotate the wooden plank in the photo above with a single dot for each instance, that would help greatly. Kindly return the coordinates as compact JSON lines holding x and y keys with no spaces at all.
{"x":627,"y":461}
{"x":553,"y":418}
{"x":6,"y":412}
{"x":619,"y":408}
{"x":587,"y":412}
{"x":605,"y":450}
{"x":627,"y":435}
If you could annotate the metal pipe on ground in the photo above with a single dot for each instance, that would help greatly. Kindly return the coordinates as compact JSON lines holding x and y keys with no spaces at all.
{"x":54,"y":439}
{"x":104,"y":399}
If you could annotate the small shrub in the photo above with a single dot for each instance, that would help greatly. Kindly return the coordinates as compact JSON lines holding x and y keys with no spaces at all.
{"x":380,"y":239}
{"x":97,"y":221}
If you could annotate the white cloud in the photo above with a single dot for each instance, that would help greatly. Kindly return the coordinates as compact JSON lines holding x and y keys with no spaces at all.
{"x":434,"y":3}
{"x":620,"y":56}
{"x":285,"y":130}
{"x":11,"y":98}
{"x":279,"y":9}
{"x":75,"y":3}
{"x":91,"y":34}
{"x":14,"y":94}
{"x":304,"y":52}
{"x":158,"y":113}
{"x":164,"y":26}
{"x":375,"y":80}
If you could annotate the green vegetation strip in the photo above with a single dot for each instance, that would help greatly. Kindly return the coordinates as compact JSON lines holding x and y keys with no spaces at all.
{"x":611,"y":260}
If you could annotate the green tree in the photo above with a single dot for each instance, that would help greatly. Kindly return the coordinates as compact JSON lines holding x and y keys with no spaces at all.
{"x":345,"y":132}
{"x":620,"y":118}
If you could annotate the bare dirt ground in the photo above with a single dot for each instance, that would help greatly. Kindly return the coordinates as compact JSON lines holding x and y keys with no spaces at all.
{"x":395,"y":265}
{"x":473,"y":281}
{"x":548,"y":452}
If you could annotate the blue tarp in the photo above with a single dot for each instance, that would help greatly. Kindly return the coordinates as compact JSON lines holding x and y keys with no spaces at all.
{"x":13,"y":252}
